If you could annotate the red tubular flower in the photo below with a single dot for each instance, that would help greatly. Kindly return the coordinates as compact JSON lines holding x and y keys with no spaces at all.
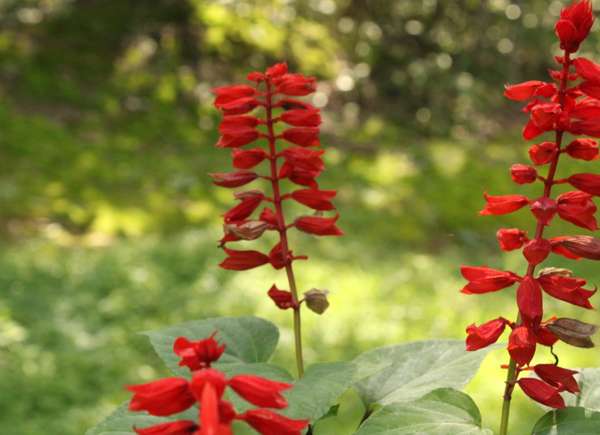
{"x":198,"y":354}
{"x":320,"y":226}
{"x":543,"y":153}
{"x":296,"y":85}
{"x":557,"y":377}
{"x":483,"y":335}
{"x":510,"y":239}
{"x":269,"y":423}
{"x":250,"y":202}
{"x":485,"y":280}
{"x":247,"y":159}
{"x":578,"y":208}
{"x":227,"y":94}
{"x":529,"y":300}
{"x":314,"y":198}
{"x":589,"y":183}
{"x":161,"y":398}
{"x":302,"y":117}
{"x":523,"y":174}
{"x":526,"y":90}
{"x":238,"y":139}
{"x":233,"y":179}
{"x":243,"y":260}
{"x":260,"y":391}
{"x":587,"y":69}
{"x":521,"y":345}
{"x":303,"y":136}
{"x":282,"y":299}
{"x":574,"y":25}
{"x":583,"y":149}
{"x":542,"y":392}
{"x":503,"y":204}
{"x":181,"y":427}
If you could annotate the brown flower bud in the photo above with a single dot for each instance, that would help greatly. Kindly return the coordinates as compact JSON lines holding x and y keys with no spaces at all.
{"x":316,"y":300}
{"x":573,"y":332}
{"x":582,"y":246}
{"x":249,"y":230}
{"x":555,"y":271}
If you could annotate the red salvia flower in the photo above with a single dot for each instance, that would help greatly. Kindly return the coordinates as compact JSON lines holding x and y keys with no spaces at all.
{"x":303,"y":136}
{"x":320,"y":226}
{"x":206,"y":389}
{"x":243,"y":260}
{"x":283,"y":299}
{"x":247,"y":159}
{"x":314,"y":198}
{"x":560,"y":106}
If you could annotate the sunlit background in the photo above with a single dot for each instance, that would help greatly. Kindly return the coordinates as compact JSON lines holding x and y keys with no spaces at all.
{"x":109,"y":224}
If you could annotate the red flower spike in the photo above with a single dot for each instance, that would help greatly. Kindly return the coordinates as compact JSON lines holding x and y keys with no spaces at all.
{"x":247,"y":159}
{"x":574,"y":25}
{"x":483,"y":335}
{"x":181,"y":427}
{"x":243,"y":260}
{"x":503,"y":204}
{"x":578,"y":208}
{"x":302,"y":117}
{"x":161,"y":398}
{"x":510,"y":239}
{"x":541,"y":392}
{"x":523,"y":174}
{"x":529,"y":300}
{"x":544,"y":209}
{"x":589,"y":183}
{"x":303,"y":136}
{"x":320,"y":226}
{"x":583,"y":149}
{"x":537,"y":250}
{"x":558,"y":377}
{"x":485,"y":280}
{"x":269,"y":423}
{"x":296,"y":85}
{"x":233,"y":179}
{"x":198,"y":354}
{"x":282,"y":299}
{"x":315,"y":199}
{"x":543,"y":153}
{"x":260,"y":391}
{"x":521,"y":345}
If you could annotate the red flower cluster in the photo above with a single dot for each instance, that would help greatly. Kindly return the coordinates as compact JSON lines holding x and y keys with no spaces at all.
{"x":560,"y":107}
{"x":300,"y":163}
{"x":206,"y":388}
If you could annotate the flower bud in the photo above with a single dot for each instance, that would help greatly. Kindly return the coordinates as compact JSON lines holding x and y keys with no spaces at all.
{"x":573,"y":332}
{"x":523,"y":174}
{"x":537,"y":250}
{"x":589,"y":183}
{"x":511,"y":238}
{"x":282,"y":298}
{"x":521,"y":345}
{"x":544,"y":209}
{"x":316,"y":300}
{"x":250,"y":230}
{"x":581,"y":246}
{"x":542,"y":153}
{"x":583,"y":149}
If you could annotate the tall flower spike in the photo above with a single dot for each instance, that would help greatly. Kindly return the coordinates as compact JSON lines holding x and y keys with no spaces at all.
{"x":286,"y":131}
{"x":560,"y":106}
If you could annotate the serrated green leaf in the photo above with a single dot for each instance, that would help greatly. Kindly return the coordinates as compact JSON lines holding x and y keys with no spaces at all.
{"x":407,"y":372}
{"x":320,"y":387}
{"x":568,"y":421}
{"x":248,"y":339}
{"x":442,"y":412}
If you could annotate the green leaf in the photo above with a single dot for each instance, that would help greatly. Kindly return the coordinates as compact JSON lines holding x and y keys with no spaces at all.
{"x":247,"y":339}
{"x":441,"y":412}
{"x":407,"y":372}
{"x":320,"y":387}
{"x":568,"y":421}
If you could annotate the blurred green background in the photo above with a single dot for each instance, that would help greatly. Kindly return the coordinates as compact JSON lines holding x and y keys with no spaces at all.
{"x":109,"y":223}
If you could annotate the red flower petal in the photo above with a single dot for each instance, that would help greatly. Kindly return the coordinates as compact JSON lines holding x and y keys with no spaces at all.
{"x":314,"y":198}
{"x":483,"y":335}
{"x":541,"y":392}
{"x":269,"y":423}
{"x":589,"y":183}
{"x":485,"y":280}
{"x":243,"y":260}
{"x":320,"y":226}
{"x":521,"y":345}
{"x":503,"y":204}
{"x":558,"y":377}
{"x":260,"y":391}
{"x":511,"y":238}
{"x":161,"y":398}
{"x":529,"y":300}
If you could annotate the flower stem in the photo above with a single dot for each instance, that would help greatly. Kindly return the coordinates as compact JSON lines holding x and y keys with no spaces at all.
{"x":277,"y":200}
{"x":513,"y":372}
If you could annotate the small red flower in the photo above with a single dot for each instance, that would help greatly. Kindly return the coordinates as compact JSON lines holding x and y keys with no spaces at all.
{"x":523,"y":174}
{"x":247,"y":159}
{"x":233,"y":179}
{"x":296,"y":85}
{"x":544,"y":209}
{"x":208,"y":377}
{"x":521,"y":345}
{"x":303,"y":136}
{"x":542,"y":392}
{"x":574,"y":25}
{"x":227,"y":94}
{"x":483,"y":335}
{"x":529,"y":300}
{"x":240,"y":106}
{"x":511,"y":238}
{"x":249,"y":202}
{"x":320,"y":226}
{"x":503,"y":204}
{"x":269,"y":423}
{"x":181,"y":427}
{"x":283,"y":299}
{"x":543,"y":153}
{"x":198,"y":354}
{"x":260,"y":391}
{"x":314,"y":198}
{"x":302,"y":117}
{"x":161,"y":398}
{"x":589,"y":183}
{"x":485,"y":280}
{"x":578,"y":208}
{"x":526,"y":90}
{"x":583,"y":149}
{"x":558,"y":377}
{"x":537,"y":250}
{"x":243,"y":260}
{"x":587,"y":69}
{"x":238,"y":139}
